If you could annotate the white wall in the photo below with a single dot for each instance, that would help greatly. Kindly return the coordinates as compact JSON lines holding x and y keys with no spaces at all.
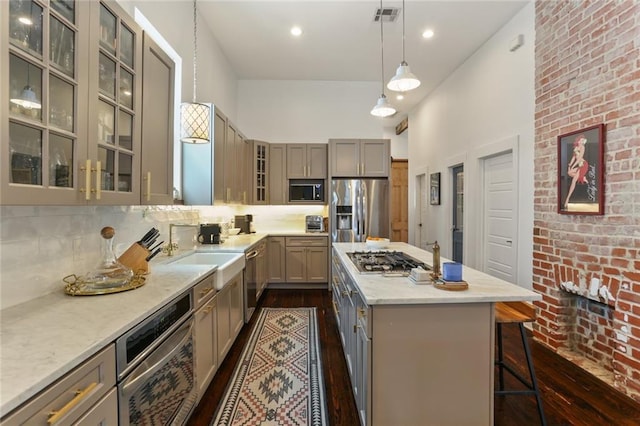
{"x":216,"y":80}
{"x":485,"y":106}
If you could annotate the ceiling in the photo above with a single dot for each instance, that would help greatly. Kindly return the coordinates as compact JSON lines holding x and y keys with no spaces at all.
{"x":340,"y":40}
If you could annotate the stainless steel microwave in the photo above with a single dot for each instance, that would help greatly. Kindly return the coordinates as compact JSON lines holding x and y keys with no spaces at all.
{"x":306,"y":190}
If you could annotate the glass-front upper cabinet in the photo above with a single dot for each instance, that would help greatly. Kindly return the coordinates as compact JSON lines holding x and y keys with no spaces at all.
{"x":114,"y":118}
{"x":39,"y":84}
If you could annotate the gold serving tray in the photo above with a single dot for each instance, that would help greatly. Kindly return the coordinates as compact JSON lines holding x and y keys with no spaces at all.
{"x":76,"y":286}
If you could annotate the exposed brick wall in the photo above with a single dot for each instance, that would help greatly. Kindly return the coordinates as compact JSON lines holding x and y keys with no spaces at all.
{"x":587,"y":268}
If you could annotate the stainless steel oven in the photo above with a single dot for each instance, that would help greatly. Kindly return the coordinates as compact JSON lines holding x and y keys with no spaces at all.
{"x":155,"y":362}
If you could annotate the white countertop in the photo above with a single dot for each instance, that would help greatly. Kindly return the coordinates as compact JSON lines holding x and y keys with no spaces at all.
{"x":380,"y":290}
{"x":45,"y":338}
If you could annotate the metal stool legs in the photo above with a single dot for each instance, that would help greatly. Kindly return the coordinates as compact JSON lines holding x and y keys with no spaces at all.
{"x":532,"y":385}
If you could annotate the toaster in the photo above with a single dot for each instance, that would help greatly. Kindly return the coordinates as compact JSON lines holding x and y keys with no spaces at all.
{"x":314,"y":223}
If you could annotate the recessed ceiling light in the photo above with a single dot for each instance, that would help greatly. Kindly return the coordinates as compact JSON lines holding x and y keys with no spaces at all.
{"x":296,"y":31}
{"x":427,"y":34}
{"x":399,"y":97}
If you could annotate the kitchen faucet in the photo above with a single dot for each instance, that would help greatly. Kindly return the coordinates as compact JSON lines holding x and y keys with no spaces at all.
{"x":171,"y":247}
{"x":435,"y":267}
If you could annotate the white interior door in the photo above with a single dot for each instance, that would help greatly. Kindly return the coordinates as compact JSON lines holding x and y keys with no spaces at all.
{"x":500,"y":217}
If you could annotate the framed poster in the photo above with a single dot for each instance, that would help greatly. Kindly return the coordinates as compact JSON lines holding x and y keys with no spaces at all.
{"x":581,"y":171}
{"x":434,"y":189}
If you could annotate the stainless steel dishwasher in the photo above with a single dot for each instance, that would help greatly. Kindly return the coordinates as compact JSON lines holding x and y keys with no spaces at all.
{"x":155,"y":361}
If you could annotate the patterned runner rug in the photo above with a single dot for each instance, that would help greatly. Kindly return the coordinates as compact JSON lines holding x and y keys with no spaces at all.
{"x":278,"y":380}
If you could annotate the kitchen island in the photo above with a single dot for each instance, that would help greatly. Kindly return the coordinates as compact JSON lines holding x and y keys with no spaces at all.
{"x":418,"y":355}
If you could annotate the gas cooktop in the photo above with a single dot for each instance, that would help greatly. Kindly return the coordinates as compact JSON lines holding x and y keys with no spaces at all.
{"x":385,"y":262}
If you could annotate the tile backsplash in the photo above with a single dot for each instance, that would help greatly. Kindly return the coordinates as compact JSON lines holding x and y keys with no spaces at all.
{"x":40,"y":245}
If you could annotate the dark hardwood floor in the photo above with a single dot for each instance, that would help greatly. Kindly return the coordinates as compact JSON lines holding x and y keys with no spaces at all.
{"x":570,"y":395}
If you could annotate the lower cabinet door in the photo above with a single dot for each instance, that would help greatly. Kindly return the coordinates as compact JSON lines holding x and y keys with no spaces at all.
{"x":223,"y":322}
{"x":104,"y":413}
{"x":206,"y":344}
{"x":362,"y":375}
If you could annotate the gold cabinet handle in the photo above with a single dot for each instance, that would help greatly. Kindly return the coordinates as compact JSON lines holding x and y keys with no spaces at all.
{"x":98,"y":170}
{"x":148,"y":194}
{"x":55,"y":416}
{"x":362,"y":169}
{"x":87,"y":180}
{"x":335,"y":307}
{"x":205,"y":291}
{"x":361,"y":313}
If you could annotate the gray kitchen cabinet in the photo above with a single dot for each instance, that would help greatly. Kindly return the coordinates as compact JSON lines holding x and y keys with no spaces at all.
{"x":79,"y":393}
{"x":258,"y":165}
{"x":114,"y":129}
{"x":217,"y":180}
{"x":306,"y":259}
{"x":278,"y":184}
{"x":362,"y":361}
{"x":158,"y":74}
{"x":216,"y":173}
{"x":276,"y":256}
{"x":230,"y":314}
{"x":205,"y":330}
{"x":242,"y":170}
{"x":359,"y":157}
{"x":105,"y":412}
{"x":236,"y":313}
{"x":235,"y":154}
{"x":83,"y":143}
{"x":306,"y":161}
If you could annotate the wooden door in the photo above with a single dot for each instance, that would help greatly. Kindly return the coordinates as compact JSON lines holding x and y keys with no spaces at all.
{"x":400,"y":200}
{"x":157,"y":124}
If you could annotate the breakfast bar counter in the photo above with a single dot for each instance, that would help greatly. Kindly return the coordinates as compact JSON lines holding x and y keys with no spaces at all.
{"x":417,"y":354}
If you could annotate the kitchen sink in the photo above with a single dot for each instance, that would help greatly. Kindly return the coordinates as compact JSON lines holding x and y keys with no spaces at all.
{"x":229,"y":264}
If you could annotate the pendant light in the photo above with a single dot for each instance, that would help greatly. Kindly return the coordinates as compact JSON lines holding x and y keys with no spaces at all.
{"x":28,"y":98}
{"x":382,"y":108}
{"x":195,"y":117}
{"x":404,"y":80}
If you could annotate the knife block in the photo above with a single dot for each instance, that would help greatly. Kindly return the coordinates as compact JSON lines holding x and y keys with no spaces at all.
{"x":135,"y":257}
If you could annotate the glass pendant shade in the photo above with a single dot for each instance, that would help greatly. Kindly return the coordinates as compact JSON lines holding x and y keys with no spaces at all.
{"x":404,"y":80}
{"x":27,"y":99}
{"x":195,"y":123}
{"x":383,"y":108}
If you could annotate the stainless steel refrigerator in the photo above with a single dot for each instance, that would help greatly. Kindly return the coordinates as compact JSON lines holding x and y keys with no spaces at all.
{"x":359,"y":209}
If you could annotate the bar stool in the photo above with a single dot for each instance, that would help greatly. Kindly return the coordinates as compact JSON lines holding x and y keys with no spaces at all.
{"x":509,"y":313}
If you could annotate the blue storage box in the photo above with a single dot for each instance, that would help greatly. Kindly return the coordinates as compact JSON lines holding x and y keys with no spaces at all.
{"x":452,"y":271}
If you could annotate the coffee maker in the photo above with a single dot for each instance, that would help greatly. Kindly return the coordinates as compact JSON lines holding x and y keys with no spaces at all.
{"x":209,"y":233}
{"x":245,"y":223}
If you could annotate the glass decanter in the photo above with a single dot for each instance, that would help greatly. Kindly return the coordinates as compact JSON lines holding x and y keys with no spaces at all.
{"x":109,"y":272}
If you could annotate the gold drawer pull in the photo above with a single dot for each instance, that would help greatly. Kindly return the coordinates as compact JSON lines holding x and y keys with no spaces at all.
{"x":361,"y":313}
{"x":205,"y":291}
{"x":55,"y":416}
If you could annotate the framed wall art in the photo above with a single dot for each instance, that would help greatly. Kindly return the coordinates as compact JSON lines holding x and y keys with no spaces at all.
{"x":581,"y":171}
{"x":434,"y":189}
